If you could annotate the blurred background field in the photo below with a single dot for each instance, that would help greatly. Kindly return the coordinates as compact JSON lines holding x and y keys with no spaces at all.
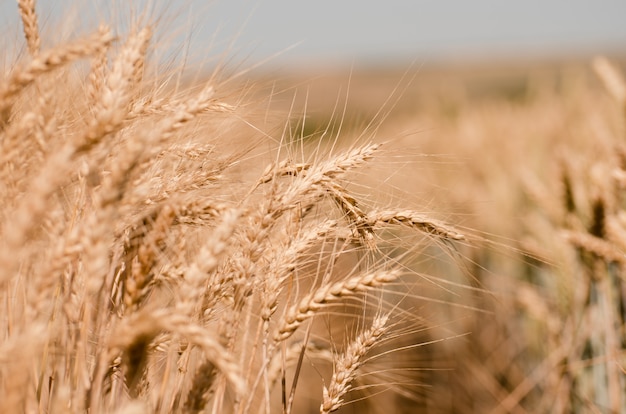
{"x":499,"y":118}
{"x":531,"y":159}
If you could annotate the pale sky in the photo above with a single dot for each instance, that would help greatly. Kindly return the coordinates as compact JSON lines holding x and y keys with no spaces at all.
{"x":352,"y":31}
{"x":429,"y":29}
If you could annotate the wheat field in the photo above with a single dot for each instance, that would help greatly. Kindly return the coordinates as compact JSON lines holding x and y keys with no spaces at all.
{"x":175,"y":242}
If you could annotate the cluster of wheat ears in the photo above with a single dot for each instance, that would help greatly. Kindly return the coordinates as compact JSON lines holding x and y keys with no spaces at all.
{"x":158,"y":256}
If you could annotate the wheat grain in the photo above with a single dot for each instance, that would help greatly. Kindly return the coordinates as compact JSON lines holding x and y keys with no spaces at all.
{"x":112,"y":105}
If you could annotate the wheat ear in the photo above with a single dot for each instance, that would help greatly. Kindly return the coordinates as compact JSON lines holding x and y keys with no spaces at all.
{"x":145,"y":326}
{"x":310,"y":304}
{"x":49,"y":60}
{"x":612,"y":78}
{"x":200,"y":390}
{"x":31,"y":27}
{"x":347,"y":364}
{"x":112,"y":107}
{"x":592,"y":244}
{"x":414,"y":220}
{"x":284,"y":261}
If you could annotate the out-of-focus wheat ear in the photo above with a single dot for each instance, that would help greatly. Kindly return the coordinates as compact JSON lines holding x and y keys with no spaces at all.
{"x":133,"y":407}
{"x":140,"y":63}
{"x":185,"y":111}
{"x":135,"y":360}
{"x":28,"y":213}
{"x":346,"y":365}
{"x":595,"y":245}
{"x":112,"y":106}
{"x":174,"y":113}
{"x":147,"y":143}
{"x":49,"y":60}
{"x":244,"y":269}
{"x":199,"y":336}
{"x":31,"y":26}
{"x":284,"y":261}
{"x":616,"y":230}
{"x":612,"y":79}
{"x":327,"y":294}
{"x":138,"y":331}
{"x":26,"y":138}
{"x":200,"y":391}
{"x":597,"y":226}
{"x":195,"y":284}
{"x":142,"y":254}
{"x":240,"y":277}
{"x":16,"y":381}
{"x":189,"y":177}
{"x":199,"y":211}
{"x":98,"y":72}
{"x":569,"y":200}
